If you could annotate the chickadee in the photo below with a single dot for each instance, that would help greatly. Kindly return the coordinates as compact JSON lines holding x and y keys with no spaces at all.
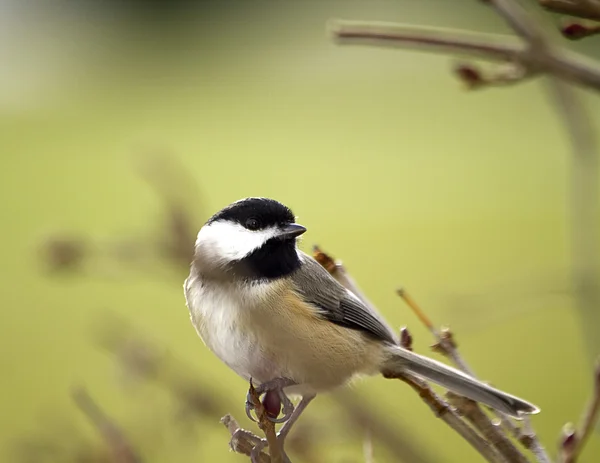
{"x":274,"y":315}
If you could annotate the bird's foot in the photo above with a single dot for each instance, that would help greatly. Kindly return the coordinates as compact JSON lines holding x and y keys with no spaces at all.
{"x":255,"y":454}
{"x":273,"y":400}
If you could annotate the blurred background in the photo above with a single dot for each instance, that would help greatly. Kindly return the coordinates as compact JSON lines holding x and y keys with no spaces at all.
{"x":125,"y":124}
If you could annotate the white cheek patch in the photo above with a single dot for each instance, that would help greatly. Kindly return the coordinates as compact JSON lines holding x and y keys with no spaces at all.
{"x":227,"y":241}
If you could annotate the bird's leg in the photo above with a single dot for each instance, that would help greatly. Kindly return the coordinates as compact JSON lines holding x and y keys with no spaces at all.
{"x":285,"y":429}
{"x":275,"y":385}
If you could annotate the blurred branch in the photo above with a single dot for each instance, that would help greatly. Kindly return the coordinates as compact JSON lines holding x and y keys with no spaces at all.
{"x":120,"y":447}
{"x":587,"y":9}
{"x":579,"y":29}
{"x":446,"y":345}
{"x":567,"y":65}
{"x":573,"y":441}
{"x":395,"y":437}
{"x":171,"y":242}
{"x":143,"y":358}
{"x":471,"y":411}
{"x":538,"y":56}
{"x":440,"y":408}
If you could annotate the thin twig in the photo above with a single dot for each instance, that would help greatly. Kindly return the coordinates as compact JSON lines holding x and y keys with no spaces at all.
{"x":587,"y":9}
{"x":444,"y":411}
{"x":584,"y":195}
{"x":121,"y":448}
{"x":585,"y":226}
{"x":359,"y":414}
{"x":568,"y":65}
{"x":440,"y":408}
{"x":573,"y":441}
{"x":471,"y":411}
{"x":338,"y":271}
{"x":447,"y":346}
{"x":445,"y":41}
{"x":579,"y":29}
{"x":368,"y":446}
{"x":267,"y":426}
{"x":243,"y":441}
{"x":445,"y":342}
{"x":519,"y":20}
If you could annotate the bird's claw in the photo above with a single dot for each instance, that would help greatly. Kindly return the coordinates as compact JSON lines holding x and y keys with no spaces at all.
{"x":255,"y":453}
{"x":275,"y":385}
{"x":250,"y":407}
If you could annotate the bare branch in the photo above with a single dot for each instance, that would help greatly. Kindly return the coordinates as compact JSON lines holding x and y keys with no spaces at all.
{"x":338,"y":271}
{"x":573,"y":441}
{"x":243,"y":441}
{"x":568,"y":65}
{"x":438,"y":405}
{"x":588,"y":9}
{"x":368,"y":446}
{"x":267,"y":426}
{"x":120,"y":447}
{"x":578,"y":29}
{"x":447,"y":346}
{"x":471,"y":411}
{"x":446,"y":41}
{"x":394,"y":436}
{"x":520,"y":21}
{"x":444,"y":411}
{"x":445,"y":342}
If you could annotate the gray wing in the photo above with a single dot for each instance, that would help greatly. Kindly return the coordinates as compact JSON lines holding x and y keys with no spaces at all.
{"x":335,"y":303}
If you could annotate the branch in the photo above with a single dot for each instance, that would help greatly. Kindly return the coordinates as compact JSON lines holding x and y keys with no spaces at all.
{"x":568,"y":65}
{"x":439,"y":407}
{"x":267,"y":426}
{"x":587,"y":9}
{"x":243,"y":441}
{"x":574,"y":441}
{"x":443,"y":411}
{"x":447,"y":346}
{"x":446,"y":41}
{"x":578,"y":29}
{"x":473,"y":413}
{"x":338,"y":271}
{"x":359,"y":414}
{"x":121,"y":448}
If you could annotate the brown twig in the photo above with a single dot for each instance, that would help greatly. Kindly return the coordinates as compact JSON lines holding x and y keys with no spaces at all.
{"x":243,"y":441}
{"x":440,"y":408}
{"x":573,"y":440}
{"x":444,"y":411}
{"x":120,"y":447}
{"x":568,"y":65}
{"x":587,"y":9}
{"x":447,"y":346}
{"x":585,"y":224}
{"x":266,"y":426}
{"x":368,"y":446}
{"x":445,"y":343}
{"x":338,"y":271}
{"x":578,"y":29}
{"x":393,"y":436}
{"x":473,"y":413}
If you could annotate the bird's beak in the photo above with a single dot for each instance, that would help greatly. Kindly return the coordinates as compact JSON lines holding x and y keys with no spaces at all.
{"x":291,"y":230}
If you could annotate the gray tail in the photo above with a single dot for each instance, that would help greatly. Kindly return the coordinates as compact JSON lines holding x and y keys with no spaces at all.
{"x":456,"y":381}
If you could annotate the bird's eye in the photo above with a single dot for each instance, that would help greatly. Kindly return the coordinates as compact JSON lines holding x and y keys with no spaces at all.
{"x":252,"y":224}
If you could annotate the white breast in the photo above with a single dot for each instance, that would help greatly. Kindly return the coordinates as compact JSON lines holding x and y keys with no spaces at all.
{"x":221,"y":316}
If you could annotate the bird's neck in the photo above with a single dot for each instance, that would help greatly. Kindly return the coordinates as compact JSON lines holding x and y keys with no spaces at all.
{"x":274,"y":260}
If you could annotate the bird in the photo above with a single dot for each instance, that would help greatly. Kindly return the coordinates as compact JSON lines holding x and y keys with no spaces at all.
{"x":274,"y":315}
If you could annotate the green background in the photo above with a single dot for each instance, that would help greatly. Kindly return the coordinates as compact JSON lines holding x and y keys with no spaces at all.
{"x":393,"y":167}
